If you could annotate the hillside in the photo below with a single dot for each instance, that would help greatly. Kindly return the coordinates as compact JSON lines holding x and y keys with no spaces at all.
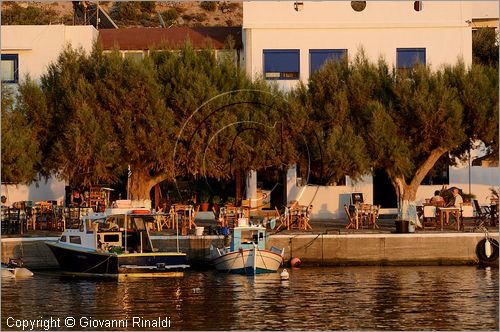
{"x":129,"y":14}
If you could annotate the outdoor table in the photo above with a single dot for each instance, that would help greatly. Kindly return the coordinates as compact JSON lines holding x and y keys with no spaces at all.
{"x":445,"y":213}
{"x":302,"y":216}
{"x":366,"y":214}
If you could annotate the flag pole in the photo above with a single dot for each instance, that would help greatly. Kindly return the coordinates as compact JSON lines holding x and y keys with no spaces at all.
{"x":129,"y":173}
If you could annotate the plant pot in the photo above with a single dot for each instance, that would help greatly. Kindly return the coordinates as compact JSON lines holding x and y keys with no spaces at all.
{"x":204,"y":206}
{"x":402,"y":226}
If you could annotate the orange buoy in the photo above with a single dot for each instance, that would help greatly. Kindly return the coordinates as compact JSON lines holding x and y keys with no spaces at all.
{"x":295,"y":262}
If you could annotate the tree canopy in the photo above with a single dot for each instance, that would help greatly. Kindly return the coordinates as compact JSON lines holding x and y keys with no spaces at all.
{"x":485,"y":46}
{"x":96,"y":114}
{"x":20,"y":148}
{"x":401,"y":121}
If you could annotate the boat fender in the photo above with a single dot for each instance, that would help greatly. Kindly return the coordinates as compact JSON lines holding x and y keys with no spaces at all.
{"x":295,"y":262}
{"x":487,"y":250}
{"x":22,"y":272}
{"x":284,"y":275}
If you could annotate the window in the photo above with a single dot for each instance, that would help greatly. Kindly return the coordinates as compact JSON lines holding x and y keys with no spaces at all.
{"x":75,"y":239}
{"x":135,"y":56}
{"x":10,"y":68}
{"x":63,"y":238}
{"x":317,"y":58}
{"x":358,"y":6}
{"x":281,"y":64}
{"x":408,"y":57}
{"x":417,"y":5}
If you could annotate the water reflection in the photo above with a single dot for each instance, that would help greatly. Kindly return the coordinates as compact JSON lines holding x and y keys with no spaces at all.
{"x":350,"y":298}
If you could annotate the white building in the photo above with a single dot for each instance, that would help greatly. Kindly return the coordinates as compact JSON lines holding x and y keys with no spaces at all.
{"x":29,"y":49}
{"x":285,"y":41}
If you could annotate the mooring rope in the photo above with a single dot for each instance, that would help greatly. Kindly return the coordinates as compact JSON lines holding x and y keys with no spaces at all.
{"x":93,"y":267}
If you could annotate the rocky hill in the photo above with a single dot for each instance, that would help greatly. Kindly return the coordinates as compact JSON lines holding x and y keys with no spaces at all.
{"x":130,"y":13}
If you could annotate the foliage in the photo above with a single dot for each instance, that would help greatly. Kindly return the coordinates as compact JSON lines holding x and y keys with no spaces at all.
{"x":477,"y":89}
{"x":399,"y":121}
{"x":20,"y":153}
{"x":235,"y":131}
{"x":14,"y":14}
{"x":209,"y":6}
{"x":104,"y":112}
{"x":147,"y":6}
{"x":485,"y":46}
{"x":95,"y":114}
{"x":170,"y":16}
{"x":133,"y":12}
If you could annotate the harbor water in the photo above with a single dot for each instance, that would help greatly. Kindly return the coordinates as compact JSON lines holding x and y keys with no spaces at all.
{"x":314,"y":298}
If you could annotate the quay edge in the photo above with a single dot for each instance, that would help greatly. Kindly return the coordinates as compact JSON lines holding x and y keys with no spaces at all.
{"x":312,"y":249}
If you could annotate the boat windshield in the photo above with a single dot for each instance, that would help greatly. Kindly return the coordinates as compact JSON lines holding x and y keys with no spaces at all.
{"x":139,"y":222}
{"x":249,"y":237}
{"x":84,"y":224}
{"x":112,"y":223}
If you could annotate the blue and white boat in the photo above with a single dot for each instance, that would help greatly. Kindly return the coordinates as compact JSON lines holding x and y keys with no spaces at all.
{"x":247,"y":253}
{"x":115,"y":243}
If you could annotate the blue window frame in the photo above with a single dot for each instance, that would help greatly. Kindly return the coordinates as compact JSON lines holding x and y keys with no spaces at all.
{"x":10,"y":68}
{"x":281,"y":64}
{"x":409,"y":57}
{"x":317,"y":58}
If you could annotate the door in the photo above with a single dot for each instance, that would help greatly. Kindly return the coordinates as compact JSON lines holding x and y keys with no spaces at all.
{"x":384,"y":193}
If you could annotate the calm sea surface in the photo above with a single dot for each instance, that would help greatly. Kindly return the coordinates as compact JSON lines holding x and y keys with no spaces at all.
{"x":333,"y":298}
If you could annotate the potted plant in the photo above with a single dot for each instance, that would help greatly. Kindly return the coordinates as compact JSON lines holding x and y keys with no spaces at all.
{"x":204,"y":201}
{"x":230,"y":201}
{"x":216,"y":202}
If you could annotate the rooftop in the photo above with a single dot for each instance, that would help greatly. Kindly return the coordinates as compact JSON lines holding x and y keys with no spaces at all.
{"x":147,"y":38}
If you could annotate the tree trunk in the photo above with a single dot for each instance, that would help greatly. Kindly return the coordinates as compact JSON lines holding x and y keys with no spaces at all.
{"x":407,"y":193}
{"x":237,"y":179}
{"x":140,"y":184}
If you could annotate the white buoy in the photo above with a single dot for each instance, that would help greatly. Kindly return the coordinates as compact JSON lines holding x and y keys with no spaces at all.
{"x":284,"y":275}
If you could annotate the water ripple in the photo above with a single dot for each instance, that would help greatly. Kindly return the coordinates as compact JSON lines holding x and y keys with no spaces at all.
{"x":346,"y":298}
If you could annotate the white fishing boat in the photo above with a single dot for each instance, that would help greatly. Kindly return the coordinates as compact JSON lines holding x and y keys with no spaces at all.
{"x":247,"y":253}
{"x":115,"y":243}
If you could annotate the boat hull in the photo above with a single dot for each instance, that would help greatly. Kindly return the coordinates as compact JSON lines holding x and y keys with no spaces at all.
{"x":78,"y":261}
{"x":243,"y":261}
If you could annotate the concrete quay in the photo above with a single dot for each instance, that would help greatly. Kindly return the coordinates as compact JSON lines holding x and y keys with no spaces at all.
{"x":426,"y":248}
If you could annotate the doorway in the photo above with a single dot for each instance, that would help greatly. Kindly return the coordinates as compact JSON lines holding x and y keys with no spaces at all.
{"x":384,"y":193}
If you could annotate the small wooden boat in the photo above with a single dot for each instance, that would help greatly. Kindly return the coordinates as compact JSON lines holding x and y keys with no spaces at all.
{"x":115,"y":243}
{"x":247,"y":253}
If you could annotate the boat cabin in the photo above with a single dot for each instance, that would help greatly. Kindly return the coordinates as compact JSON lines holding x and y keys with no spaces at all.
{"x":116,"y":230}
{"x":246,"y":237}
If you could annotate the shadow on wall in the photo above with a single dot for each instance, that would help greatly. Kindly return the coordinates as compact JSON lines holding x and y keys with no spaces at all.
{"x":478,"y":175}
{"x":52,"y":189}
{"x":323,"y":212}
{"x":344,"y":199}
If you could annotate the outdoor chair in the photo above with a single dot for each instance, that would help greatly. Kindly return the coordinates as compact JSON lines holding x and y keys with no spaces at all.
{"x":429,"y":217}
{"x":351,"y":221}
{"x":467,"y":216}
{"x":482,"y":213}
